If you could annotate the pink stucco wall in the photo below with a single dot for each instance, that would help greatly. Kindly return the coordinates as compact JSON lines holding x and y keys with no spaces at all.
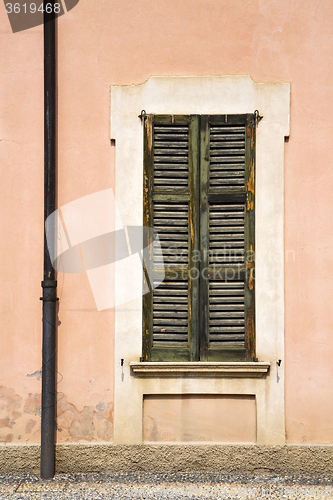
{"x":114,"y":42}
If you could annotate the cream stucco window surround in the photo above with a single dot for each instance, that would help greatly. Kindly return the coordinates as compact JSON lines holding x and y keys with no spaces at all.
{"x":204,"y":95}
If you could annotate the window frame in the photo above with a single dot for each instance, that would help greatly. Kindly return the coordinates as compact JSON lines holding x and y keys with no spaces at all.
{"x":203,"y":95}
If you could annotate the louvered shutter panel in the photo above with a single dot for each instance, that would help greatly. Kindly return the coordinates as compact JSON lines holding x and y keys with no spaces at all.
{"x":227,"y":238}
{"x":171,"y":206}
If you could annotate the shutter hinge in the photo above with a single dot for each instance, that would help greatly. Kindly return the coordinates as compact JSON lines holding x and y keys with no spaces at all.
{"x":142,"y":115}
{"x":257,"y":117}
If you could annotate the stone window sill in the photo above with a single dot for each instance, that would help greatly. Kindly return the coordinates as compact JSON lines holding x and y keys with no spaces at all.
{"x":201,"y":369}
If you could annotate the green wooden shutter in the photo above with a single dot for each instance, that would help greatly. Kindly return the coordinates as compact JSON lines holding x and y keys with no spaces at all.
{"x":199,"y":197}
{"x":227,"y":238}
{"x":171,"y":207}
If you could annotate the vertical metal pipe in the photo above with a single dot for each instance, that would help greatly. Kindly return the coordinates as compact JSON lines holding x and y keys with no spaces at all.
{"x":49,"y":284}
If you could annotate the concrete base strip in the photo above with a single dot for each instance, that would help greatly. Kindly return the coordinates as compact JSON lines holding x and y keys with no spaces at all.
{"x":155,"y":459}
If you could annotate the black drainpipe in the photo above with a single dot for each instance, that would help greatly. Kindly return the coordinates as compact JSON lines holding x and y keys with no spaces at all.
{"x":49,"y":284}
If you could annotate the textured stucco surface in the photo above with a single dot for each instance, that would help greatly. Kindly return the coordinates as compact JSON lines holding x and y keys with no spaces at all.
{"x":123,"y":42}
{"x":289,"y":459}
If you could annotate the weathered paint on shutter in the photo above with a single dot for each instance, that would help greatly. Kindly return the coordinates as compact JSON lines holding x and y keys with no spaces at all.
{"x":171,"y":206}
{"x":227,"y":237}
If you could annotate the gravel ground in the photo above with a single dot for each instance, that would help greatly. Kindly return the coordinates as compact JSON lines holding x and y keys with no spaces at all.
{"x":167,"y":486}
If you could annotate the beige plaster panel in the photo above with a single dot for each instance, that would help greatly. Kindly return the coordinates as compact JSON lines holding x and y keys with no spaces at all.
{"x":193,"y":418}
{"x":101,"y":44}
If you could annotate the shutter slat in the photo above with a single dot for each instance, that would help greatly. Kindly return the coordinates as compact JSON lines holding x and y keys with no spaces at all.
{"x":171,"y":152}
{"x":218,"y":144}
{"x":227,"y":128}
{"x":167,"y":144}
{"x":172,"y":322}
{"x":226,"y":174}
{"x":170,"y":314}
{"x":178,"y":175}
{"x":218,"y":167}
{"x":182,"y":160}
{"x":221,"y":321}
{"x":170,"y":307}
{"x":172,"y":236}
{"x":227,"y":337}
{"x":162,"y":338}
{"x":231,"y":159}
{"x":180,"y":136}
{"x":176,"y":226}
{"x":227,"y":313}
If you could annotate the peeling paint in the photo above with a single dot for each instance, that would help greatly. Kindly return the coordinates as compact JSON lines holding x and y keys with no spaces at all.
{"x":10,"y":403}
{"x":100,"y":406}
{"x":30,"y":425}
{"x":105,"y":432}
{"x":37,"y":374}
{"x":250,"y":182}
{"x":5,"y":422}
{"x":32,"y":403}
{"x":22,"y":417}
{"x":12,"y":414}
{"x":85,"y":425}
{"x":250,"y":267}
{"x":6,"y":439}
